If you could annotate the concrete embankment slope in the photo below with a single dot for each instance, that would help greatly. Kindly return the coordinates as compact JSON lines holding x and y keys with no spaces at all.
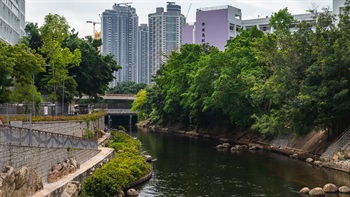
{"x":57,"y":188}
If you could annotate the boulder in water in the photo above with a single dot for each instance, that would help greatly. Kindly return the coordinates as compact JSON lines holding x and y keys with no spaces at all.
{"x":344,"y":189}
{"x":330,"y":188}
{"x":317,"y":191}
{"x":305,"y":190}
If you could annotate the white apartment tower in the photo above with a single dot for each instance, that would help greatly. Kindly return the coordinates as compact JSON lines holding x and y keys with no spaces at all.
{"x":12,"y":20}
{"x":119,"y":38}
{"x":143,"y":55}
{"x":165,"y":34}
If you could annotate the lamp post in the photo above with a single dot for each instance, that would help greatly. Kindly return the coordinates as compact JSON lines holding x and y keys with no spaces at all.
{"x":63,"y":96}
{"x":33,"y":106}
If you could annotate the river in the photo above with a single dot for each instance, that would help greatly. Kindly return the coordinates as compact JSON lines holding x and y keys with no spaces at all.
{"x":192,"y":167}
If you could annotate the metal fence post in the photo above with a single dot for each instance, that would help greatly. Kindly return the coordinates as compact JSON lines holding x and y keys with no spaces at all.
{"x":30,"y":129}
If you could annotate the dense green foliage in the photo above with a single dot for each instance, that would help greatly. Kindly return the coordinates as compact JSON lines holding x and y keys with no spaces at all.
{"x":95,"y":71}
{"x":279,"y":82}
{"x":125,"y":168}
{"x":127,"y":87}
{"x":74,"y":66}
{"x":17,"y":65}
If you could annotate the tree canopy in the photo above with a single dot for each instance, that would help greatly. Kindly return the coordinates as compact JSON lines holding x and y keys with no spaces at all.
{"x":74,"y":65}
{"x":278,"y":82}
{"x":18,"y":65}
{"x":127,"y":87}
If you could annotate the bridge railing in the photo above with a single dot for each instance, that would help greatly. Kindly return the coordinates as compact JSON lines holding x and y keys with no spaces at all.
{"x":119,"y":111}
{"x":26,"y":137}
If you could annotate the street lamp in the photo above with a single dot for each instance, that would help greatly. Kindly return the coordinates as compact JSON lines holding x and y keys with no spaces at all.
{"x":63,"y":96}
{"x":33,"y":106}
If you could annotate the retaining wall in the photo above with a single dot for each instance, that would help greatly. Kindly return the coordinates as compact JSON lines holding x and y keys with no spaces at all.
{"x":74,"y":128}
{"x":40,"y":158}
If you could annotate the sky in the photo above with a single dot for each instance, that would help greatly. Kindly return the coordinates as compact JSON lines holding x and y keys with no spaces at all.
{"x":77,"y":12}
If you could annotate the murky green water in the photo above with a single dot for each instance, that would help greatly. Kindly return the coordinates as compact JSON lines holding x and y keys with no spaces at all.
{"x":193,"y":167}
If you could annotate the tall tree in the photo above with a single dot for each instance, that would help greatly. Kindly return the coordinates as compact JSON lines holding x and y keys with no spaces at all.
{"x":95,"y":71}
{"x":19,"y":64}
{"x":54,"y":31}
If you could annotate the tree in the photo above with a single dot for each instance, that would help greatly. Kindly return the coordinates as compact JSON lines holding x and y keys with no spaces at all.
{"x":127,"y":87}
{"x":19,"y":64}
{"x":239,"y":90}
{"x":173,"y":79}
{"x":95,"y":72}
{"x":6,"y":64}
{"x":139,"y":105}
{"x":54,"y":31}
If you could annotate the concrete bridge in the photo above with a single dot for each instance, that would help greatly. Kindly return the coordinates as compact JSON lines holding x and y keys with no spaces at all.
{"x":120,"y":112}
{"x":131,"y":97}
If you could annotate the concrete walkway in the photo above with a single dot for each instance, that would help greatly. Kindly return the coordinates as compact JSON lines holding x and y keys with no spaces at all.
{"x":50,"y":187}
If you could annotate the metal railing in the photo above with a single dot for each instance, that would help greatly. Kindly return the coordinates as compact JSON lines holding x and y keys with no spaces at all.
{"x":339,"y":144}
{"x":26,"y":137}
{"x":119,"y":111}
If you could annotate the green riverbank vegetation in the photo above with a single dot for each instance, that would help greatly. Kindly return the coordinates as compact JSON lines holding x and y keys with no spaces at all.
{"x":126,"y":167}
{"x":82,"y":117}
{"x":280,"y":82}
{"x":51,"y":62}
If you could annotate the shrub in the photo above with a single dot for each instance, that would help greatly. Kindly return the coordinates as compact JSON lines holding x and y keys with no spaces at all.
{"x":123,"y":169}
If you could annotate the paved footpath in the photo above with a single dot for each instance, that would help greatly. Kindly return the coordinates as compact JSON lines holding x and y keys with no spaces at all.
{"x":48,"y":188}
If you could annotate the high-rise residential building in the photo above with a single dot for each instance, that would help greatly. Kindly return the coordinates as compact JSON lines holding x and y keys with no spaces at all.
{"x":119,"y":38}
{"x":165,"y":34}
{"x":12,"y":20}
{"x":143,"y":74}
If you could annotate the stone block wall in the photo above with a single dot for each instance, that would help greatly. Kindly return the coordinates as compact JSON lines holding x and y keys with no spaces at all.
{"x":40,"y":158}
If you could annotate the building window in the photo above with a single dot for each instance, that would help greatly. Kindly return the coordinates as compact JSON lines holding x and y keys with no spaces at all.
{"x":203,"y":24}
{"x":203,"y":35}
{"x":203,"y":40}
{"x":232,"y":27}
{"x":203,"y":29}
{"x":264,"y":28}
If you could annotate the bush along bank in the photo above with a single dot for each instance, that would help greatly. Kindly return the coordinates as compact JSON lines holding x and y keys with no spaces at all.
{"x":126,"y":167}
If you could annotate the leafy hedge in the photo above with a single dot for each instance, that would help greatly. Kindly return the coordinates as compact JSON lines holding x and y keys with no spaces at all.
{"x":84,"y":117}
{"x":126,"y":167}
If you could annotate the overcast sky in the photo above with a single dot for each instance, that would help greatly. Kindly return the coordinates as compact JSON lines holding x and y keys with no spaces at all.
{"x":77,"y":12}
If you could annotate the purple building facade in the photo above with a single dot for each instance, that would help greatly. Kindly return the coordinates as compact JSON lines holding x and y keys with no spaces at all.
{"x":188,"y":34}
{"x":215,"y":25}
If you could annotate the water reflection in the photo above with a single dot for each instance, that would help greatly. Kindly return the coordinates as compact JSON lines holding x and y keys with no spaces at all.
{"x":192,"y":167}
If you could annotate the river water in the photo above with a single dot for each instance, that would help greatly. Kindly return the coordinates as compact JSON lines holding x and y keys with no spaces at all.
{"x":192,"y":167}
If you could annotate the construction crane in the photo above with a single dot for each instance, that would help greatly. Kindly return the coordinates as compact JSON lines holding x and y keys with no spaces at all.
{"x":93,"y":27}
{"x":188,"y":11}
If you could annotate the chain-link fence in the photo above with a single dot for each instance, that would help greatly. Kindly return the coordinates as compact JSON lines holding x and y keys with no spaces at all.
{"x":27,"y":137}
{"x":45,"y":108}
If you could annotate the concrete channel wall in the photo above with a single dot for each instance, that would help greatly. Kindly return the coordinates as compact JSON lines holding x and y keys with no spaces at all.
{"x":74,"y":128}
{"x":40,"y":158}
